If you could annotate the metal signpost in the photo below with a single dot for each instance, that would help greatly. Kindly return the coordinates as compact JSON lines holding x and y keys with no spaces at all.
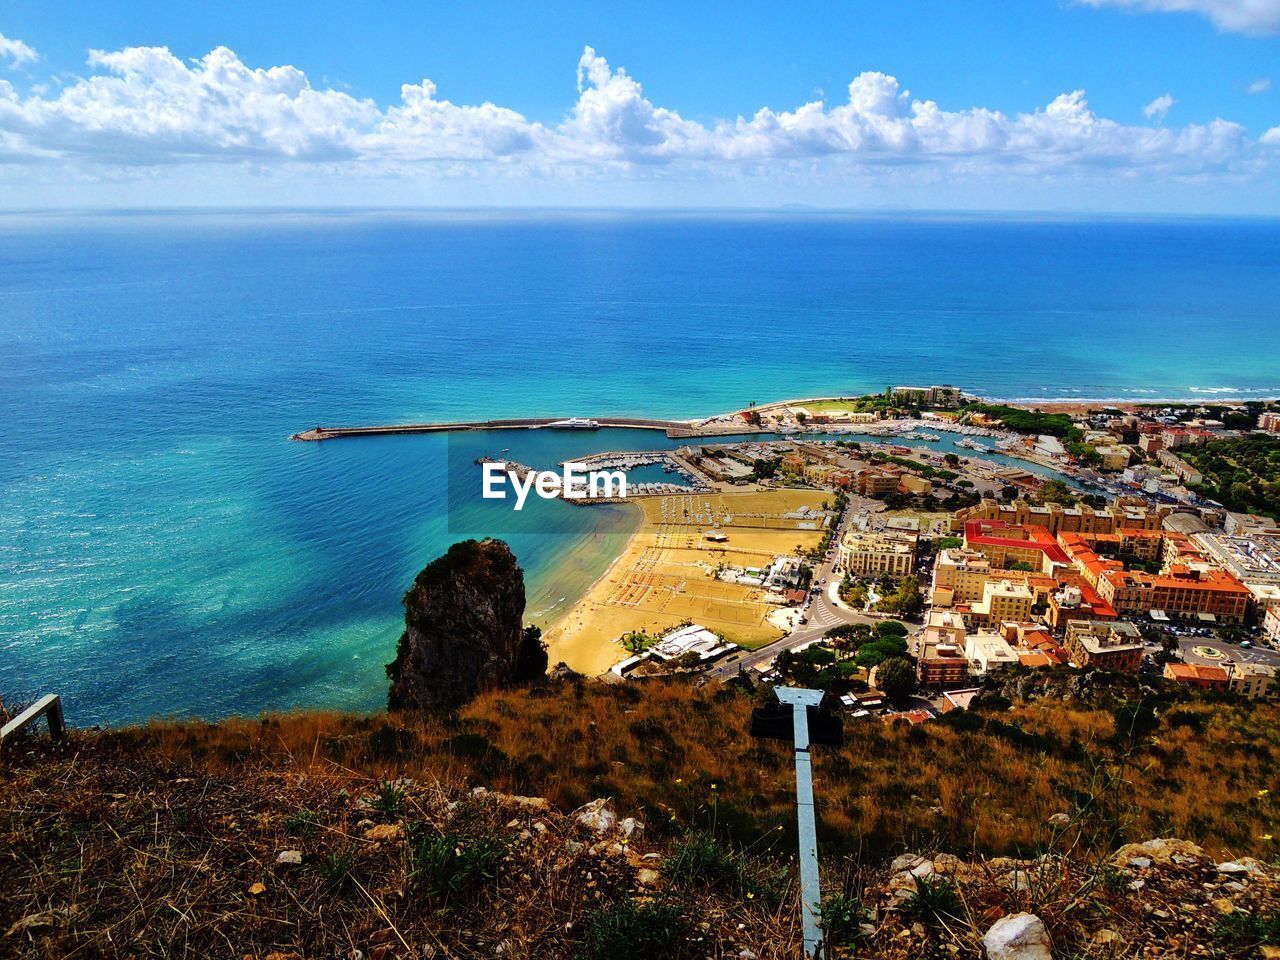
{"x":774,"y":724}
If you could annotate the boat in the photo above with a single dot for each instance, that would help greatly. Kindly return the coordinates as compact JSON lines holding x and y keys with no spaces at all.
{"x":575,"y":423}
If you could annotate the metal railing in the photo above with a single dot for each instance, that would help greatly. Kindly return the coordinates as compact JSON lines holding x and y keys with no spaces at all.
{"x":49,"y":707}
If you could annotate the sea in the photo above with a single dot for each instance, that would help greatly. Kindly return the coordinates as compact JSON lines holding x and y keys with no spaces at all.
{"x":166,"y":550}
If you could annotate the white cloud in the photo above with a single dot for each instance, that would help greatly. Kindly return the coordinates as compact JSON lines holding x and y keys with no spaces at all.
{"x":1261,"y":85}
{"x":1237,"y":16}
{"x":16,"y":51}
{"x":1159,"y":108}
{"x":144,"y":107}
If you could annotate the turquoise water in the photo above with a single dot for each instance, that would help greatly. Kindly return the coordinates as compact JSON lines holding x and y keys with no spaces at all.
{"x":165,"y":549}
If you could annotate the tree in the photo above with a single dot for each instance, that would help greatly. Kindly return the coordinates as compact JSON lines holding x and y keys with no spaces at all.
{"x":951,"y":459}
{"x":891,"y":628}
{"x":1055,"y":491}
{"x":637,"y":641}
{"x":906,"y":600}
{"x":896,"y":679}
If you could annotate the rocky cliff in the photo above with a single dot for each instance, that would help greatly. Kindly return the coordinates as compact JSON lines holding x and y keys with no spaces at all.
{"x":464,"y":630}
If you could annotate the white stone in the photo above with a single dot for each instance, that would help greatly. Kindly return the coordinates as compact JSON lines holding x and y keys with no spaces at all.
{"x":1243,"y":865}
{"x":598,"y":815}
{"x":289,"y":858}
{"x":1019,"y":936}
{"x":905,"y":863}
{"x":1140,"y":863}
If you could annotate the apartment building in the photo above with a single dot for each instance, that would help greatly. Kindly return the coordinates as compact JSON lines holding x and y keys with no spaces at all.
{"x":1002,"y":600}
{"x":1127,"y":513}
{"x":940,"y":659}
{"x":988,"y":653}
{"x":1253,"y":680}
{"x":875,"y":554}
{"x":1113,"y":457}
{"x":1180,"y":468}
{"x":939,"y":395}
{"x":1104,"y":646}
{"x":1006,"y":544}
{"x":1181,"y":592}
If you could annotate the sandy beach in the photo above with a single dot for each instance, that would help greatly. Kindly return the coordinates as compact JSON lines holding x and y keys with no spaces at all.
{"x":666,"y":573}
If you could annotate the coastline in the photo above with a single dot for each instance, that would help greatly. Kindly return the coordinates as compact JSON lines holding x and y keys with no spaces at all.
{"x":580,"y":652}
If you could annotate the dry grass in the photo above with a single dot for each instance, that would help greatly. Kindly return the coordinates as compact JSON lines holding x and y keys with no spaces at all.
{"x":149,"y":841}
{"x":680,"y":754}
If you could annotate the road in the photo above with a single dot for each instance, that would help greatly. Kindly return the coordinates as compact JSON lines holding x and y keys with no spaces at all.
{"x":1229,"y":651}
{"x":824,"y":612}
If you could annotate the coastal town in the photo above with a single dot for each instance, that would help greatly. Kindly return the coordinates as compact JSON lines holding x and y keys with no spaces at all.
{"x":901,"y":550}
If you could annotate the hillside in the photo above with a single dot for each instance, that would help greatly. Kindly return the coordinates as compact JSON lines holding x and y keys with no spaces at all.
{"x":1241,"y":472}
{"x":154,"y":840}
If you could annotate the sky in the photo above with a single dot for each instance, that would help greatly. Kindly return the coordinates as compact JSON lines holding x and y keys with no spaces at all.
{"x":1095,"y":106}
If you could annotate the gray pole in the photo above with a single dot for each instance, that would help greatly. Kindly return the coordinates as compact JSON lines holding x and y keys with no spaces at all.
{"x":810,"y":886}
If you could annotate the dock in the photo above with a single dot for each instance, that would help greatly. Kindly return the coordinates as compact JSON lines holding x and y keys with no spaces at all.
{"x":672,"y":428}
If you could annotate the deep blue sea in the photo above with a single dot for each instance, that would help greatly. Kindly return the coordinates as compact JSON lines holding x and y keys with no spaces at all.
{"x":165,"y":549}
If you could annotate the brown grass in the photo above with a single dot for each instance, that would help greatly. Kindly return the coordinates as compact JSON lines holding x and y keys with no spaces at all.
{"x":680,"y":754}
{"x":148,"y":841}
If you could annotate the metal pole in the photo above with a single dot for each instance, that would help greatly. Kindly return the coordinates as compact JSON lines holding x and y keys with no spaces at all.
{"x":810,"y":885}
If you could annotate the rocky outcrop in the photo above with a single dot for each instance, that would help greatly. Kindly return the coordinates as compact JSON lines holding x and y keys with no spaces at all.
{"x":1090,"y":687}
{"x":464,"y":630}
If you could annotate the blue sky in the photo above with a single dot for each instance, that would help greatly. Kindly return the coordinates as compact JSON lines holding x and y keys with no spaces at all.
{"x":305,"y":103}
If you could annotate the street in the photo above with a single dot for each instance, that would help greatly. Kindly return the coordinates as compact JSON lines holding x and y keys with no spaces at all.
{"x":824,"y":612}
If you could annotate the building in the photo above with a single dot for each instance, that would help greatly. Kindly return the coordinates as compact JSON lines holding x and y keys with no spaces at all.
{"x":693,"y":640}
{"x":1076,"y":599}
{"x":1271,"y":624}
{"x":878,"y":481}
{"x":1104,"y":646}
{"x":1197,"y":675}
{"x":1006,"y":544}
{"x":1253,"y":680}
{"x":959,"y":576}
{"x":1112,"y":457}
{"x":1180,"y":468}
{"x":1270,"y":421}
{"x":1193,"y":591}
{"x":1250,"y":558}
{"x":957,"y":699}
{"x":943,"y":395}
{"x":1175,"y":437}
{"x":988,"y":653}
{"x":1150,"y":444}
{"x":873,"y":554}
{"x":1249,"y":525}
{"x":1125,"y":542}
{"x":784,"y":574}
{"x":1126,"y":513}
{"x":914,"y":486}
{"x":940,"y":664}
{"x":1208,"y":595}
{"x":1002,"y":601}
{"x":940,"y":660}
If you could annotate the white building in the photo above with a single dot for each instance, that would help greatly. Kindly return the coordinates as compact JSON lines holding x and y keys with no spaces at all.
{"x":987,"y":652}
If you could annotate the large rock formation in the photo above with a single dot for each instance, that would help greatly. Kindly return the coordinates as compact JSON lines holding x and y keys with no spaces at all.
{"x":464,"y":630}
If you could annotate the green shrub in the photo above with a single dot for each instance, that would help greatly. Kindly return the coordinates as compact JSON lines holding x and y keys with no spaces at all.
{"x":445,"y":865}
{"x":335,"y":870}
{"x":1249,"y":929}
{"x":698,"y":858}
{"x":632,"y":931}
{"x":304,"y":823}
{"x":934,"y":900}
{"x":842,"y":915}
{"x":389,"y":800}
